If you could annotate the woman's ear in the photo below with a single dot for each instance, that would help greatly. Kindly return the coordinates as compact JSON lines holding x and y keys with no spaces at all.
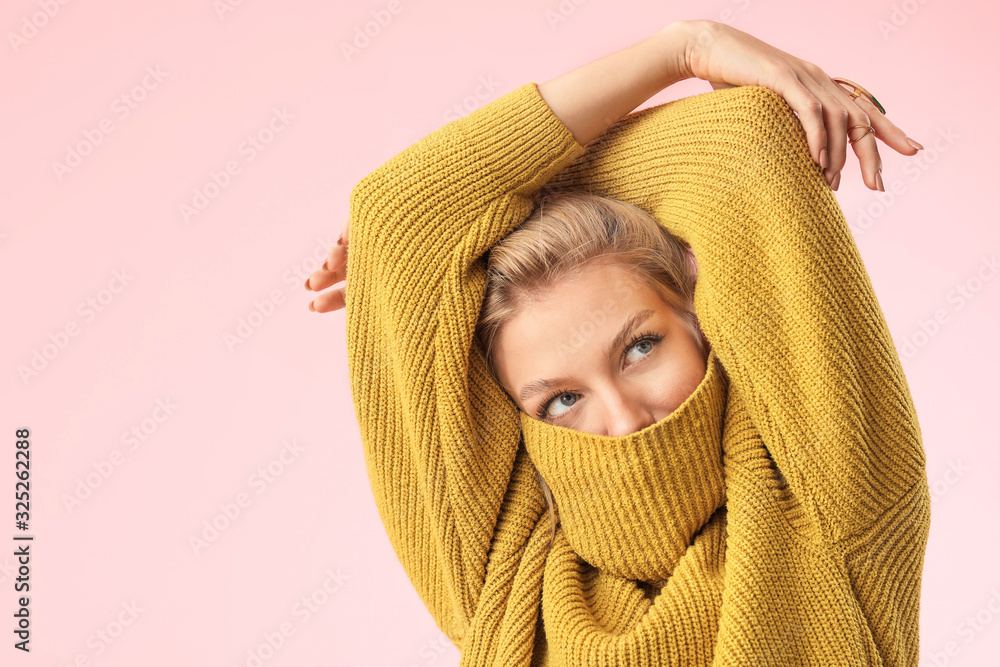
{"x":692,"y":264}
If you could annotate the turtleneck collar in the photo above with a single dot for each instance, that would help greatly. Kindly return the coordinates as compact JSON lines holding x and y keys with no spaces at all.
{"x":631,"y":505}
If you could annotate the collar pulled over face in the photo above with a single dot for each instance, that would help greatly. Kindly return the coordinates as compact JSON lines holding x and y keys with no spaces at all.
{"x":631,"y":505}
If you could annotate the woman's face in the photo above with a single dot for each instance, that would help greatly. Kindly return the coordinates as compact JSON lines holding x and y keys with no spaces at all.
{"x":601,"y":353}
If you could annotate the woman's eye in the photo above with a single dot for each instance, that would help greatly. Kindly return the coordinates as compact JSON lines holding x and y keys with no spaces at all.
{"x":552,"y":410}
{"x":643,"y":346}
{"x":556,"y":406}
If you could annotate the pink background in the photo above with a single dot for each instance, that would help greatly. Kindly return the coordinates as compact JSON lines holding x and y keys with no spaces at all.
{"x":102,"y":246}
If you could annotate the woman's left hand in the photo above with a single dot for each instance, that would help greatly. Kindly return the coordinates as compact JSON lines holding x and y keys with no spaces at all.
{"x":728,"y":57}
{"x":334,"y":270}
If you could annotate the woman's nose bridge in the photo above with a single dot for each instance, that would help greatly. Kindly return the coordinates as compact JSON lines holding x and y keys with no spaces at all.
{"x":625,"y":410}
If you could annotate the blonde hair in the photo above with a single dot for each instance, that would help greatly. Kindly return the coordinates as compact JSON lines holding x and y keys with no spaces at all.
{"x":567,"y":233}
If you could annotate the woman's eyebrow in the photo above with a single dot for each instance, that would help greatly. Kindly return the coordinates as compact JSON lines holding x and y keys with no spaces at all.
{"x":630,"y":324}
{"x":538,"y":386}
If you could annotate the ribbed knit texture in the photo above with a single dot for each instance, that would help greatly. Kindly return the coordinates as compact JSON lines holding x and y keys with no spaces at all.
{"x":631,"y":505}
{"x":779,"y":516}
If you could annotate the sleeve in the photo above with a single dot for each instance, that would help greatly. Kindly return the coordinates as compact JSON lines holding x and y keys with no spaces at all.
{"x":439,"y":435}
{"x":782,"y":293}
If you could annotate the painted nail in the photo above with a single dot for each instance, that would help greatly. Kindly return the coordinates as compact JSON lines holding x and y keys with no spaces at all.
{"x":878,"y":180}
{"x":915,"y":144}
{"x":836,"y":182}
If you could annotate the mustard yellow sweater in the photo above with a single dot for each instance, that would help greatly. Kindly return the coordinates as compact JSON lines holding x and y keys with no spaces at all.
{"x":778,"y":517}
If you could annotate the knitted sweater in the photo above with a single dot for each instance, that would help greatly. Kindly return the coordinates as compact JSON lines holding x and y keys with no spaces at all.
{"x":779,"y":516}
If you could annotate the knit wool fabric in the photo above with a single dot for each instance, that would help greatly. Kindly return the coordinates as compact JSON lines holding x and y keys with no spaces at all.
{"x":779,"y":516}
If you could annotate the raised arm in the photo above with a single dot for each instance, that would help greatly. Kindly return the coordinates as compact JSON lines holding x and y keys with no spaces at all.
{"x":592,"y":98}
{"x":439,"y":434}
{"x":782,"y":293}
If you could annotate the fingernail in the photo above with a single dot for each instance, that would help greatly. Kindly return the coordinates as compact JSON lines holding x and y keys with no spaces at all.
{"x":822,"y":157}
{"x":311,"y":307}
{"x":915,"y":144}
{"x":836,"y":182}
{"x":878,"y":180}
{"x":340,"y":240}
{"x":307,"y":284}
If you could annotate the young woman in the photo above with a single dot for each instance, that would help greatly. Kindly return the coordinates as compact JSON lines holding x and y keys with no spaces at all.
{"x":739,"y":473}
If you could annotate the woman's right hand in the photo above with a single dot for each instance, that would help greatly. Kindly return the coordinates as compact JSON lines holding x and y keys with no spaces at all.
{"x":728,"y":57}
{"x":334,"y":270}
